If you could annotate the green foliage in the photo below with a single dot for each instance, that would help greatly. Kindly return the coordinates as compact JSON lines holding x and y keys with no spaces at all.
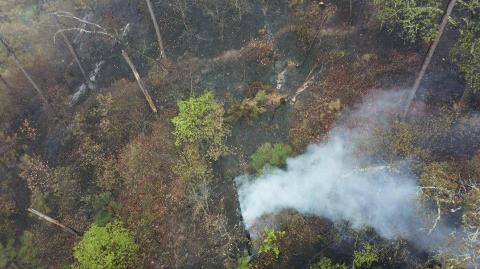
{"x":365,"y":257}
{"x":326,"y":263}
{"x":242,"y":261}
{"x":200,"y":122}
{"x":271,"y":155}
{"x":271,"y":241}
{"x":412,"y":19}
{"x":249,"y":108}
{"x":27,"y":253}
{"x":105,"y":207}
{"x":7,"y":253}
{"x":192,"y":165}
{"x":466,"y":53}
{"x":109,"y":247}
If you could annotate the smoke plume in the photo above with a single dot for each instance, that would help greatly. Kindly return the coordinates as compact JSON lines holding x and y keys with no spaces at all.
{"x":335,"y":181}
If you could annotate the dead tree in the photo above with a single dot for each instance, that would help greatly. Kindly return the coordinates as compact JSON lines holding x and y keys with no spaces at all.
{"x":139,"y":81}
{"x":25,"y":73}
{"x":54,"y":221}
{"x":428,"y":59}
{"x":157,"y":29}
{"x":72,"y":50}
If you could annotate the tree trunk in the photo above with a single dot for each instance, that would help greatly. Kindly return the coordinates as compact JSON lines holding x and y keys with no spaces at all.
{"x":157,"y":29}
{"x":25,"y":73}
{"x":428,"y":59}
{"x":53,"y":221}
{"x":139,"y":81}
{"x":72,"y":51}
{"x":466,"y":98}
{"x":9,"y":87}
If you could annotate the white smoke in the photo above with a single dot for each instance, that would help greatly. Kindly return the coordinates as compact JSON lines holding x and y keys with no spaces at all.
{"x":331,"y":181}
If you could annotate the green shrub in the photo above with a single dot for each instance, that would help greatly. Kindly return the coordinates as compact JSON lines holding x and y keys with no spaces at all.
{"x":367,"y":256}
{"x":109,"y":247}
{"x":104,"y":206}
{"x":271,"y":155}
{"x":271,"y":242}
{"x":242,"y":261}
{"x":200,"y":122}
{"x":326,"y":263}
{"x":466,"y":53}
{"x":249,"y":108}
{"x":411,"y":19}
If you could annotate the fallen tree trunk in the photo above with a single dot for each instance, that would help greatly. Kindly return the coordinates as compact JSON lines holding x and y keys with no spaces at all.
{"x":428,"y":59}
{"x":54,"y":221}
{"x":139,"y":81}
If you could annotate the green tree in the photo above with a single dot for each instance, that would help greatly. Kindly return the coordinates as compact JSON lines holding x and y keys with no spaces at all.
{"x":109,"y":247}
{"x":269,"y":155}
{"x":466,"y":53}
{"x":411,"y":19}
{"x":200,"y":122}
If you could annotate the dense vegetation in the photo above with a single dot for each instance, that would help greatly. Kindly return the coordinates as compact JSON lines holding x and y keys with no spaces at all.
{"x":120,"y":142}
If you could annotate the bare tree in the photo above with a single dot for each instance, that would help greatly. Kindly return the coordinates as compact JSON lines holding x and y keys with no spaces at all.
{"x":117,"y":39}
{"x":72,"y":50}
{"x":428,"y":59}
{"x":139,"y":81}
{"x":157,"y":29}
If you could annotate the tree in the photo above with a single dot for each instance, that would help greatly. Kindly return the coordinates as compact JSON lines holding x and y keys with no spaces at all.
{"x":109,"y":247}
{"x":200,"y":122}
{"x":412,"y":19}
{"x":466,"y":53}
{"x":157,"y":29}
{"x":427,"y":60}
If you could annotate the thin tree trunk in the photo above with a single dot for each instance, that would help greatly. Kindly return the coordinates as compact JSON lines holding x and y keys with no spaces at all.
{"x":53,"y":221}
{"x":72,"y":51}
{"x":428,"y":59}
{"x":2,"y":79}
{"x":466,"y":98}
{"x":25,"y":73}
{"x":139,"y":81}
{"x":157,"y":29}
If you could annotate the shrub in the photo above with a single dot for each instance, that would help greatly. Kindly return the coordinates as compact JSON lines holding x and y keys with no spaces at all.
{"x":105,"y":207}
{"x":367,"y":256}
{"x":249,"y":108}
{"x":242,"y":261}
{"x":271,"y":155}
{"x":271,"y":242}
{"x":109,"y":247}
{"x":326,"y":263}
{"x":412,"y":19}
{"x":200,"y":121}
{"x":466,"y":53}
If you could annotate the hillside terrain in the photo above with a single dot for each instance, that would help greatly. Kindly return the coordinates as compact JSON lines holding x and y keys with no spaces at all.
{"x":239,"y":134}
